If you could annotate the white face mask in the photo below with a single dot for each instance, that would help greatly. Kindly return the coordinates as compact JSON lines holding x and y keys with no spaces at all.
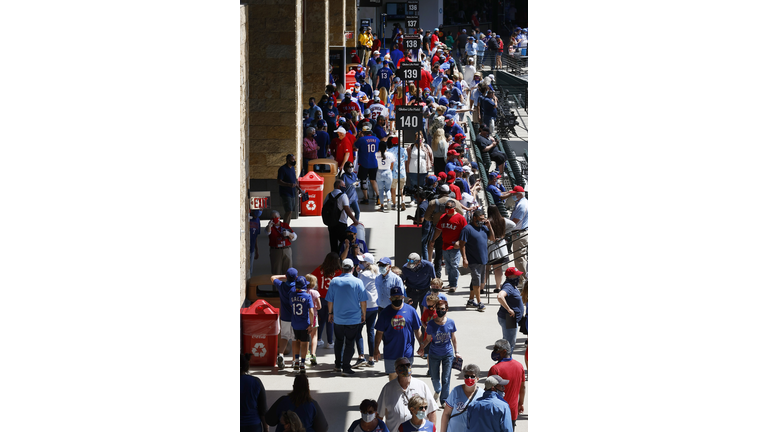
{"x":369,"y":417}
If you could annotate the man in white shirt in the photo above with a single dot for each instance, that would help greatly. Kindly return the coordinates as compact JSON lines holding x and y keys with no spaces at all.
{"x":338,"y":232}
{"x":378,"y":109}
{"x":469,"y":69}
{"x":394,"y":396}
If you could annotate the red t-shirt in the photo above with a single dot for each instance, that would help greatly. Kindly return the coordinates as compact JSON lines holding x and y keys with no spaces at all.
{"x":376,"y":44}
{"x":455,"y":189}
{"x":426,"y":79}
{"x":451,"y":225}
{"x":345,"y":146}
{"x":347,"y":107}
{"x":434,"y":40}
{"x":276,"y":239}
{"x":513,"y":371}
{"x":322,"y":281}
{"x":427,"y":315}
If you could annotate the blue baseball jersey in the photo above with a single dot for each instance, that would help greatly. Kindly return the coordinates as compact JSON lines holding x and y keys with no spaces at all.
{"x":385,"y":77}
{"x":301,"y":303}
{"x":367,"y":146}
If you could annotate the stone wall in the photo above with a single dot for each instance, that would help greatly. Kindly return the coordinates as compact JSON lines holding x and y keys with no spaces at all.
{"x":275,"y":93}
{"x":315,"y":50}
{"x":350,"y":21}
{"x":336,"y":9}
{"x":244,"y":201}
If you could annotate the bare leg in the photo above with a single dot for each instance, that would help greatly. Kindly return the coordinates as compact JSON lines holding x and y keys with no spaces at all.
{"x":313,"y":340}
{"x":498,"y":273}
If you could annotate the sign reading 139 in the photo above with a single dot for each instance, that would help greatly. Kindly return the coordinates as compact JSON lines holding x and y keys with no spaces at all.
{"x":409,"y":117}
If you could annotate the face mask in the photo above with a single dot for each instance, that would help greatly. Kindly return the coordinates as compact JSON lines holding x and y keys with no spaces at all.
{"x":311,"y":104}
{"x":404,"y":371}
{"x":495,"y":356}
{"x":501,"y":393}
{"x":441,"y":313}
{"x":348,"y":171}
{"x":383,"y":269}
{"x":450,"y":211}
{"x":275,"y":221}
{"x":369,"y":417}
{"x":470,"y":381}
{"x":397,"y":303}
{"x":292,"y":163}
{"x":420,"y":415}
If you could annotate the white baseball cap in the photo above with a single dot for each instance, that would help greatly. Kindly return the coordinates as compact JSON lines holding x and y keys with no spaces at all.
{"x":341,"y":129}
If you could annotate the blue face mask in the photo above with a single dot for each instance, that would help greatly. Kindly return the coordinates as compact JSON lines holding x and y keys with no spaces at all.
{"x":421,"y":415}
{"x":495,"y":356}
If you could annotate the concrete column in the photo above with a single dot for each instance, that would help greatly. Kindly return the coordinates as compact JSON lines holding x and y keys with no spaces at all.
{"x":244,"y":201}
{"x":336,"y":22}
{"x":274,"y":79}
{"x":315,"y":50}
{"x":350,"y":22}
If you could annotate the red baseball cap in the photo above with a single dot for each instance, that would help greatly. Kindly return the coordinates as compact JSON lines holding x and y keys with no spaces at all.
{"x":394,"y":140}
{"x":517,"y":189}
{"x":454,"y":145}
{"x":442,"y":175}
{"x":452,"y":153}
{"x":458,"y":137}
{"x":451,"y":176}
{"x":512,"y":272}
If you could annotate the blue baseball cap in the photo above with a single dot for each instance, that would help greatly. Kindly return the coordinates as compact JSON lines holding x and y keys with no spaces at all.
{"x":431,"y":180}
{"x":448,"y":117}
{"x":352,"y":228}
{"x":458,"y":169}
{"x":385,"y":261}
{"x":396,"y":291}
{"x":474,"y":165}
{"x":321,"y":123}
{"x":443,"y":101}
{"x":301,"y":283}
{"x":493,"y":175}
{"x":291,"y":274}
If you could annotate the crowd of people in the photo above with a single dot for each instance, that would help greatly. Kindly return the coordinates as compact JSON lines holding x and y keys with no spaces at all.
{"x":403,"y":309}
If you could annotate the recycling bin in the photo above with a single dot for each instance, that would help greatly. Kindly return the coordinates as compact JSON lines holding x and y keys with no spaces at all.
{"x":312,"y":184}
{"x":260,"y":325}
{"x":349,"y":80}
{"x":327,"y":169}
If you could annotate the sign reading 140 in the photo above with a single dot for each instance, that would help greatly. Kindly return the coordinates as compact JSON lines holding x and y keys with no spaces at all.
{"x":408,"y":117}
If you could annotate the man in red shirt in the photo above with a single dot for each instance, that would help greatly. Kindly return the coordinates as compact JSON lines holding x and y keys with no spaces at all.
{"x":426,"y":79}
{"x":348,"y":105}
{"x":451,"y":177}
{"x":450,"y":225}
{"x":511,"y":370}
{"x":280,"y":237}
{"x":343,"y":144}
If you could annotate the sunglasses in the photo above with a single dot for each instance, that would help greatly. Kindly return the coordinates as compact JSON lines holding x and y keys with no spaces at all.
{"x":423,"y":408}
{"x":470,"y":376}
{"x":431,"y":307}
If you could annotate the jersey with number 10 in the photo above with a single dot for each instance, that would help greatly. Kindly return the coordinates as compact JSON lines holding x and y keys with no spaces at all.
{"x":367,"y":146}
{"x":301,"y":303}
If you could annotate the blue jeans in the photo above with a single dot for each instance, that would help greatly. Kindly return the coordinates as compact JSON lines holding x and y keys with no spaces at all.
{"x":441,"y":381}
{"x":510,"y":335}
{"x":480,"y":56}
{"x":452,"y":258}
{"x":415,"y":179}
{"x":370,"y":321}
{"x":322,"y":322}
{"x":355,"y":206}
{"x":426,"y":236}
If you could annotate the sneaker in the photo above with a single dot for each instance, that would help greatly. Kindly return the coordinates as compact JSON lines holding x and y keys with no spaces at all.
{"x":320,"y":343}
{"x":471,"y":303}
{"x":347,"y":372}
{"x":280,"y":362}
{"x":329,"y":346}
{"x":295,"y":365}
{"x":451,"y":289}
{"x":365,"y":202}
{"x":313,"y":360}
{"x":336,"y":369}
{"x":358,"y":363}
{"x":481,"y":307}
{"x":436,"y":396}
{"x":402,"y":207}
{"x":496,"y":290}
{"x":482,"y":291}
{"x":378,"y":202}
{"x":371,"y":363}
{"x":302,"y":369}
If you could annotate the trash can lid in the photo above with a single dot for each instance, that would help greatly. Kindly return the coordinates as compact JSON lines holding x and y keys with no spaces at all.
{"x":311,"y":177}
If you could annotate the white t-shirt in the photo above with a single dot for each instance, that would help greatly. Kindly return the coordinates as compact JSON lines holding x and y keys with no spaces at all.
{"x":468,"y":199}
{"x":341,"y":202}
{"x":393,"y":401}
{"x":368,"y":278}
{"x":469,"y":72}
{"x":378,"y":109}
{"x":386,"y":162}
{"x":422,"y":168}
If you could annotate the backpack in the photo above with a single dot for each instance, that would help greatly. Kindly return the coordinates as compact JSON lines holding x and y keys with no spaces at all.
{"x":331,"y":212}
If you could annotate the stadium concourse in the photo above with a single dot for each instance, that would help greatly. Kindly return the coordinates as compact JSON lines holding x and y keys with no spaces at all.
{"x":340,"y":396}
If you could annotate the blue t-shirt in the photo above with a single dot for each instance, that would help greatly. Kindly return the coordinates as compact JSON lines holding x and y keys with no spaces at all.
{"x":450,"y":166}
{"x":427,"y":426}
{"x":419,"y":278}
{"x":367,"y":146}
{"x":521,"y":212}
{"x":513,"y":299}
{"x":355,"y":427}
{"x":462,"y":185}
{"x":288,"y":175}
{"x":383,"y":286}
{"x":426,"y":225}
{"x":306,"y":412}
{"x":459,"y":402}
{"x":367,"y":89}
{"x":379,"y":133}
{"x":398,"y":327}
{"x":385,"y":77}
{"x":455,"y":129}
{"x":477,"y":243}
{"x":362,"y":248}
{"x":301,"y":302}
{"x":489,"y":108}
{"x":441,"y":337}
{"x":496,"y":193}
{"x":284,"y":290}
{"x":349,"y":186}
{"x":396,"y":55}
{"x":250,"y":390}
{"x":346,"y":292}
{"x":455,"y":95}
{"x":322,"y":139}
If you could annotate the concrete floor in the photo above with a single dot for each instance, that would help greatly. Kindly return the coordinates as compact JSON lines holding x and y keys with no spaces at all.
{"x":340,"y":396}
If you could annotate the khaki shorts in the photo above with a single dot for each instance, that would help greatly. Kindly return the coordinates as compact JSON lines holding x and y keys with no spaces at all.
{"x":286,"y":332}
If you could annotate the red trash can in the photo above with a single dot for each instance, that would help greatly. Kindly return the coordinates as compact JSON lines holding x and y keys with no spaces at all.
{"x":312,"y":183}
{"x":261,"y":330}
{"x":349,"y":80}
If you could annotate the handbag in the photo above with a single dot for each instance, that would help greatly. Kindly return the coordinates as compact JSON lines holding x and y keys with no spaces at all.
{"x":304,"y":195}
{"x":458,"y":363}
{"x":524,"y":325}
